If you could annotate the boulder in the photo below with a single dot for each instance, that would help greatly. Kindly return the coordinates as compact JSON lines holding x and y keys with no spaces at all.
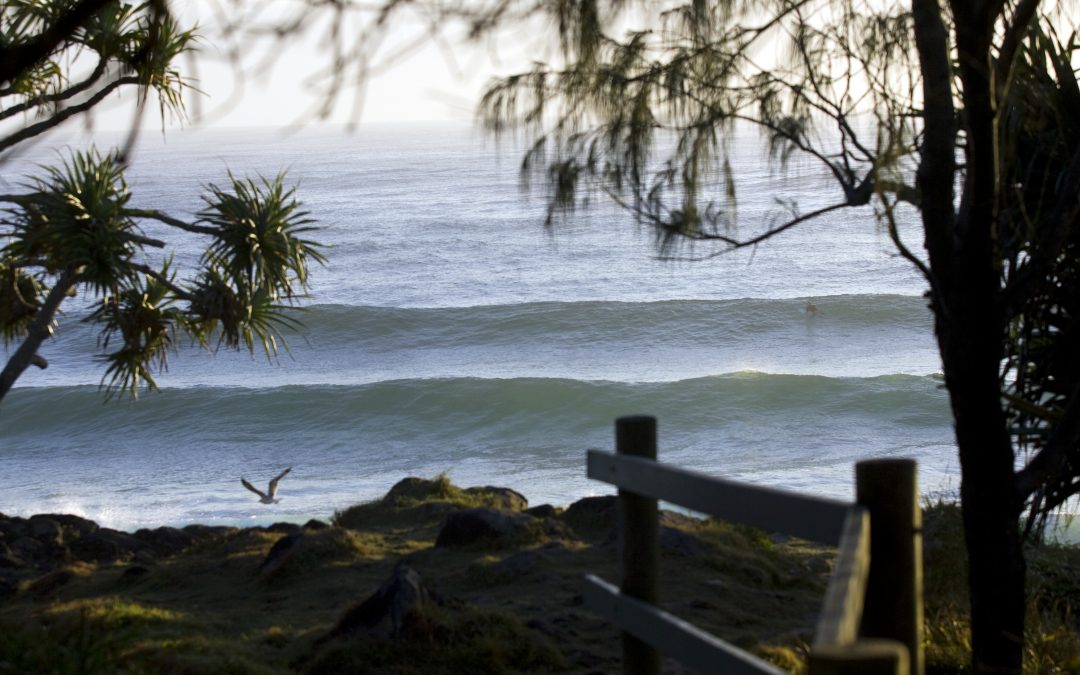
{"x":46,"y":530}
{"x":207,"y":532}
{"x":279,"y":551}
{"x":133,"y":574}
{"x":681,"y":543}
{"x":283,"y":528}
{"x":37,"y":554}
{"x":105,"y":545}
{"x":592,"y":517}
{"x":412,"y":488}
{"x":508,"y":499}
{"x":165,"y":541}
{"x":543,"y":511}
{"x":8,"y":560}
{"x":472,"y":526}
{"x":316,"y":525}
{"x":385,"y":614}
{"x":520,"y":563}
{"x":73,"y":525}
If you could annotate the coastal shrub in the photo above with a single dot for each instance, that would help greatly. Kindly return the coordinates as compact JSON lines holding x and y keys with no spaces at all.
{"x":1052,"y":638}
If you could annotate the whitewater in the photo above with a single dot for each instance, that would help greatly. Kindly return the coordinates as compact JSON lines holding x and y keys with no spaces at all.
{"x":451,"y":332}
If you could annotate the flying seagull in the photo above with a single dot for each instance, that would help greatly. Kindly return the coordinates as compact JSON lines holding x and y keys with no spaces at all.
{"x":267,"y":497}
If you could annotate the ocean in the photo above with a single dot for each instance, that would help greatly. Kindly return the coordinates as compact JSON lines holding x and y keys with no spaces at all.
{"x":451,"y":332}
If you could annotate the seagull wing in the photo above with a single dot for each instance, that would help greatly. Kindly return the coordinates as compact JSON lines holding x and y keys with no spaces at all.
{"x":252,"y":488}
{"x":274,"y":482}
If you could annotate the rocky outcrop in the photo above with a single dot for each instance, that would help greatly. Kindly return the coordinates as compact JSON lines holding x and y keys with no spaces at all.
{"x":504,"y":498}
{"x":44,"y":544}
{"x":386,"y":613}
{"x":473,"y":526}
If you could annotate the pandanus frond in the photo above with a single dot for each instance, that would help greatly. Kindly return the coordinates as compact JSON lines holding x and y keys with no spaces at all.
{"x":74,"y":220}
{"x":140,"y":321}
{"x":219,"y":312}
{"x":259,"y":244}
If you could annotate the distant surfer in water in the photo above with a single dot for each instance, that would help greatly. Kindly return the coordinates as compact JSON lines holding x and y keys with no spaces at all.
{"x":811,"y":308}
{"x":269,"y":497}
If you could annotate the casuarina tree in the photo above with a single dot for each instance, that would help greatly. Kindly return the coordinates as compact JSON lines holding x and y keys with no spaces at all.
{"x":962,"y":115}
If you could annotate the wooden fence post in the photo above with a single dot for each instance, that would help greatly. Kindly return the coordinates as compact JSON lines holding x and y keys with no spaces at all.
{"x":865,"y":657}
{"x":639,"y":540}
{"x":893,"y":608}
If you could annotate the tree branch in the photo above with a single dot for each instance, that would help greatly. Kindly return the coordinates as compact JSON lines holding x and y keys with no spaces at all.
{"x":63,"y":115}
{"x":60,"y":96}
{"x":152,"y":214}
{"x":164,"y":280}
{"x":40,"y":329}
{"x":16,"y":60}
{"x":734,"y":243}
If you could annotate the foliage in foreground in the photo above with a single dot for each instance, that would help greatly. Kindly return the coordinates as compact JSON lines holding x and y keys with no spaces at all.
{"x":73,"y":230}
{"x":218,"y":609}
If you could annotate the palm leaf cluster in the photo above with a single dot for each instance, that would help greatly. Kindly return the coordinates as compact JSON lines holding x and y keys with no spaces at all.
{"x":75,"y":230}
{"x":1040,"y":230}
{"x":119,"y":46}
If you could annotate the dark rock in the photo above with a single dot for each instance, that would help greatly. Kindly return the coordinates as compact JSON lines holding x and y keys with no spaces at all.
{"x":508,"y":499}
{"x":12,"y":527}
{"x":165,"y":541}
{"x":105,"y":545}
{"x":207,"y":532}
{"x":51,"y":582}
{"x":481,"y":525}
{"x":413,"y":489}
{"x":316,"y":525}
{"x":591,"y":517}
{"x":543,"y":511}
{"x":133,"y":574}
{"x":279,"y":551}
{"x":36,"y":553}
{"x":8,"y":587}
{"x":283,"y":528}
{"x":681,"y":543}
{"x":524,"y":562}
{"x":385,"y":613}
{"x":10,"y":561}
{"x":46,"y":530}
{"x":74,"y":525}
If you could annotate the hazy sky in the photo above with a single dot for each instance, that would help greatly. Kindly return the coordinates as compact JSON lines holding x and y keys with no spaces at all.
{"x":436,"y":82}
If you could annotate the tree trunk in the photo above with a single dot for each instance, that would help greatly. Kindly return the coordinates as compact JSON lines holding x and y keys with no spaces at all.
{"x":966,"y":293}
{"x":991,"y":511}
{"x":969,"y":336}
{"x":38,"y":331}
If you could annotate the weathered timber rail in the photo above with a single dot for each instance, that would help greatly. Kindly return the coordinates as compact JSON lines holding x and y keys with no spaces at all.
{"x":871,"y":621}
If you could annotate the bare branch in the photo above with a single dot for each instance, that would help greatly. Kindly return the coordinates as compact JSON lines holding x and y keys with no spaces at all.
{"x":166,"y":219}
{"x":65,"y":114}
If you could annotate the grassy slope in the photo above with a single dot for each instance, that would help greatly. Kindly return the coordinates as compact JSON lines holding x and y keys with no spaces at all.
{"x":514,"y":608}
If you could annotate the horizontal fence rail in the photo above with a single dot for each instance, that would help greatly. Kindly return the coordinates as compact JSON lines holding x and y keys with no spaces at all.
{"x":842,"y":609}
{"x":693,"y":647}
{"x":871,"y":620}
{"x":814,"y":518}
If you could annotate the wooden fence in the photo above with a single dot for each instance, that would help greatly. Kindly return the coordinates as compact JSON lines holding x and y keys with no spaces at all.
{"x":871,"y":622}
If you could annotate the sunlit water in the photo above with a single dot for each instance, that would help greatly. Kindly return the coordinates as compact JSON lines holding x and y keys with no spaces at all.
{"x":451,"y":332}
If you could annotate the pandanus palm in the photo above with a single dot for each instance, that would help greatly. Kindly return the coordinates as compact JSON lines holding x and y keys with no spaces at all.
{"x":75,"y":229}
